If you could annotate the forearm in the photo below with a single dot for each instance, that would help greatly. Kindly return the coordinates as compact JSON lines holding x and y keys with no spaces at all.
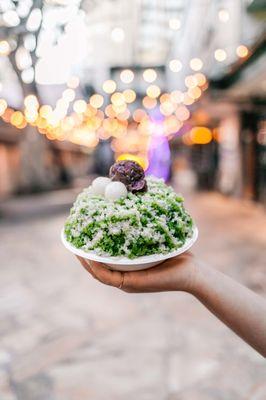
{"x":239,"y":308}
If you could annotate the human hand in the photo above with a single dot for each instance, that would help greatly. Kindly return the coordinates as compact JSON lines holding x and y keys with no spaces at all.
{"x":174,"y":274}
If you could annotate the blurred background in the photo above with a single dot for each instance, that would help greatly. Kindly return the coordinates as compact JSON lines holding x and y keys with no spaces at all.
{"x":180,"y":87}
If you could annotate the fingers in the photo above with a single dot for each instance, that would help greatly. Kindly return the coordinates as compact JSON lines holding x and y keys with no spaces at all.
{"x":85,"y":263}
{"x":101,"y":273}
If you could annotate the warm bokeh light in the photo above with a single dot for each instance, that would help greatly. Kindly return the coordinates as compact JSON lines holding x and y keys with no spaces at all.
{"x":174,"y":24}
{"x":149,"y":102}
{"x":167,"y":108}
{"x":80,"y":106}
{"x":175,"y":65}
{"x":31,"y":101}
{"x":200,"y":78}
{"x":129,"y":95}
{"x":242,"y":51}
{"x":186,"y":139}
{"x":196,"y":64}
{"x":123,"y":116}
{"x":4,"y":48}
{"x":194,"y":92}
{"x":190,"y":81}
{"x":31,"y":115}
{"x":171,"y":125}
{"x":187,"y":99}
{"x":153,"y":91}
{"x":119,"y":108}
{"x":182,"y":113}
{"x":3,"y":106}
{"x":69,"y":95}
{"x":220,"y":55}
{"x":45,"y":111}
{"x":200,"y":135}
{"x":139,"y":115}
{"x":177,"y":96}
{"x":109,"y":111}
{"x":223,"y":15}
{"x":118,"y":99}
{"x":96,"y":100}
{"x":17,"y":118}
{"x":127,"y":76}
{"x":109,"y":86}
{"x":73,"y":82}
{"x":149,"y":75}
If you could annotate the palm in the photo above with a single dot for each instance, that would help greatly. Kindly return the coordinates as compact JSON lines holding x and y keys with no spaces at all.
{"x":174,"y":274}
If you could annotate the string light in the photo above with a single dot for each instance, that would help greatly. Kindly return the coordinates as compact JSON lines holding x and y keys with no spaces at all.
{"x":80,"y":106}
{"x":149,"y":75}
{"x":196,"y":64}
{"x":220,"y":55}
{"x":153,"y":91}
{"x":190,"y":81}
{"x":149,"y":102}
{"x":175,"y":65}
{"x":3,"y":106}
{"x":242,"y":51}
{"x":200,"y":135}
{"x":117,"y":99}
{"x":177,"y":96}
{"x":200,"y":78}
{"x":73,"y":82}
{"x":109,"y":86}
{"x":182,"y":113}
{"x":4,"y":48}
{"x":129,"y":95}
{"x":31,"y":101}
{"x":69,"y":95}
{"x":96,"y":101}
{"x":194,"y":92}
{"x":127,"y":76}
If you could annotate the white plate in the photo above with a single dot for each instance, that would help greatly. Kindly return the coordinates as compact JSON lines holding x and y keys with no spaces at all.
{"x":128,"y":264}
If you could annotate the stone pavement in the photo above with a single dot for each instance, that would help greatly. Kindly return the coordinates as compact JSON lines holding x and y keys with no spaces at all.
{"x":64,"y":336}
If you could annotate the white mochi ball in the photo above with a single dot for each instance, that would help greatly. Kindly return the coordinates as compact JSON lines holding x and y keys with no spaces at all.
{"x":115,"y":190}
{"x":89,"y":190}
{"x":99,"y":184}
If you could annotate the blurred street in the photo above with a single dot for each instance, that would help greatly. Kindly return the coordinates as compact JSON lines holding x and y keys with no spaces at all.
{"x":64,"y":336}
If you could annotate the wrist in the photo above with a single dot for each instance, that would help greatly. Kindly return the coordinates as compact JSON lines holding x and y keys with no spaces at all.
{"x":197,"y":276}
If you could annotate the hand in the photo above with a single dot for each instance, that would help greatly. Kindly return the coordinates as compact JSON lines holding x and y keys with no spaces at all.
{"x":174,"y":274}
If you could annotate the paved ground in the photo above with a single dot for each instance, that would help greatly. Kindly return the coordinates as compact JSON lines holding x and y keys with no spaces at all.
{"x":66,"y":337}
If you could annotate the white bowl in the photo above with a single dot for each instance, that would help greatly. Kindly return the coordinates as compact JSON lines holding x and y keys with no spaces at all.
{"x":128,"y":264}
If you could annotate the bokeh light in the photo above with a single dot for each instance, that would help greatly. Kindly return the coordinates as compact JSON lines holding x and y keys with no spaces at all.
{"x":242,"y":51}
{"x":149,"y":75}
{"x":109,"y":86}
{"x":220,"y":55}
{"x":96,"y":100}
{"x":153,"y":91}
{"x":127,"y":76}
{"x":175,"y":65}
{"x":196,"y":64}
{"x":129,"y":95}
{"x":200,"y":135}
{"x":80,"y":106}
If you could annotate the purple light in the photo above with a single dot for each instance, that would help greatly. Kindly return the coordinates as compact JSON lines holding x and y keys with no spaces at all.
{"x":159,"y":154}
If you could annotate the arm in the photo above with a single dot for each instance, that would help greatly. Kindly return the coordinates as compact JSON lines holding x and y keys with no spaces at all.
{"x":238,"y":307}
